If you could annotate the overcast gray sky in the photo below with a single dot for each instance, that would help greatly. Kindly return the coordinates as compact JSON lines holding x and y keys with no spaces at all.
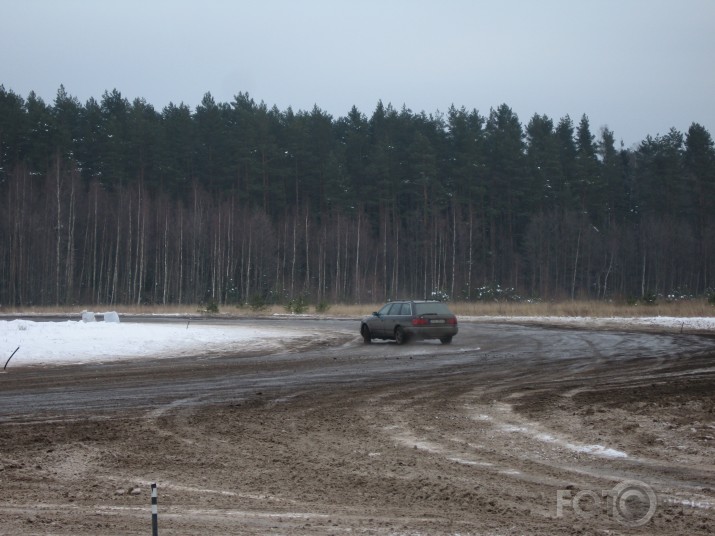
{"x":637,"y":66}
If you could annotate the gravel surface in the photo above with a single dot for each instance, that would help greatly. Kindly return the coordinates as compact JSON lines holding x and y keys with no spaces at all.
{"x":509,"y":430}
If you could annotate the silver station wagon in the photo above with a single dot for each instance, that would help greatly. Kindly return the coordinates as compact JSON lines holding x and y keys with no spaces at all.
{"x":403,"y":320}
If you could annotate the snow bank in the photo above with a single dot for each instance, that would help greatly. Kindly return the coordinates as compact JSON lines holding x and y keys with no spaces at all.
{"x":81,"y":342}
{"x":111,"y":316}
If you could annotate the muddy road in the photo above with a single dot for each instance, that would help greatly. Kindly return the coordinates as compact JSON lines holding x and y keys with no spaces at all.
{"x":509,"y":430}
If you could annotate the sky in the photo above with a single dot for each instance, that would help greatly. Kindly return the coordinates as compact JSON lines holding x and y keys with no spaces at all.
{"x":637,"y":67}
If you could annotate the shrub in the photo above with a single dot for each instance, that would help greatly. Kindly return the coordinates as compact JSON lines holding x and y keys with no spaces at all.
{"x":679,"y":295}
{"x":211,"y":308}
{"x":322,"y":307}
{"x":297,"y":305}
{"x":257,"y":303}
{"x":439,"y":295}
{"x":711,"y":296}
{"x":649,"y":298}
{"x":495,"y":293}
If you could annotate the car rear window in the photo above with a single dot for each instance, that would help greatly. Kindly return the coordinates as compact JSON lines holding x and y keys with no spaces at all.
{"x":436,"y":308}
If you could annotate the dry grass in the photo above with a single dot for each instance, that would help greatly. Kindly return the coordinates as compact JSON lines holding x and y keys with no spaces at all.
{"x":685,"y":308}
{"x":599,"y":309}
{"x":690,"y":308}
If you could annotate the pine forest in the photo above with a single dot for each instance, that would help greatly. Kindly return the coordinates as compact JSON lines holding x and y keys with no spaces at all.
{"x":115,"y":202}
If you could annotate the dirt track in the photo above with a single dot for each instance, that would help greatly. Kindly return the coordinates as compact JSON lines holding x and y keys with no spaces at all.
{"x":490,"y":435}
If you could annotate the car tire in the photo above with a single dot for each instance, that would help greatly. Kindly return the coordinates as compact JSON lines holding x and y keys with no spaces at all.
{"x":446,"y":340}
{"x":366,"y":335}
{"x":400,"y":335}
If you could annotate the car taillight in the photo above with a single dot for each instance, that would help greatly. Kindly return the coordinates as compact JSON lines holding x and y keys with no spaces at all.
{"x":419,"y":321}
{"x":452,"y":320}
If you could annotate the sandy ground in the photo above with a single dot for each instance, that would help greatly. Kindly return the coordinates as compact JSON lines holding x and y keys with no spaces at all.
{"x":499,"y":437}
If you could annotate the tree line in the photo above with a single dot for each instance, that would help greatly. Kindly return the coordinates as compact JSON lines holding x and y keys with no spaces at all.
{"x":115,"y":202}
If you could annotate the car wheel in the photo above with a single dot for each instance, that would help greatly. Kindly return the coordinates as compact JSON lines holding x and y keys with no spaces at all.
{"x":400,"y":335}
{"x":366,"y":335}
{"x":446,"y":340}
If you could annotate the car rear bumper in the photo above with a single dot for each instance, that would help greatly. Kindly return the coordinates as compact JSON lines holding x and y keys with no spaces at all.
{"x":432,"y":332}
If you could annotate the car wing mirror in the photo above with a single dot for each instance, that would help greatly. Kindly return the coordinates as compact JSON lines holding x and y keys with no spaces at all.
{"x":375,"y":313}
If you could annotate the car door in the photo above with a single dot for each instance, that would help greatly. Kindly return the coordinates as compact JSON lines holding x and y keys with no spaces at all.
{"x":387,"y":325}
{"x":379,"y":321}
{"x":400,"y":316}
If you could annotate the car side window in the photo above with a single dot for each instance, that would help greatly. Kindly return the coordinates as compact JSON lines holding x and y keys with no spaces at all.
{"x":406,"y":309}
{"x":395,"y":309}
{"x":383,"y":310}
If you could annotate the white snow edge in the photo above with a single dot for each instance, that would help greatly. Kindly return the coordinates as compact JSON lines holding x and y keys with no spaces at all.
{"x":43,"y":343}
{"x":669,"y":323}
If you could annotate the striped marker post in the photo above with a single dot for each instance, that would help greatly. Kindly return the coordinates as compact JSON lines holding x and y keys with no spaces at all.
{"x":154,"y":512}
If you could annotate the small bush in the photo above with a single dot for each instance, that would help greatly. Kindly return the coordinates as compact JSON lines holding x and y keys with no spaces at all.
{"x":679,"y":295}
{"x":711,"y":296}
{"x":322,"y":307}
{"x":649,"y":298}
{"x":211,"y":308}
{"x":257,"y":303}
{"x":495,"y":293}
{"x":439,"y":295}
{"x":297,"y":305}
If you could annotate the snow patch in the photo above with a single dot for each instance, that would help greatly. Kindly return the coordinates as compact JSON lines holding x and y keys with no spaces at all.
{"x":596,"y":450}
{"x":614,"y":322}
{"x":89,"y":341}
{"x":462,"y":461}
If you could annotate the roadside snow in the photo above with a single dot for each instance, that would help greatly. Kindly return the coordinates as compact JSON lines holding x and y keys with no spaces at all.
{"x":82,"y":342}
{"x":669,"y":323}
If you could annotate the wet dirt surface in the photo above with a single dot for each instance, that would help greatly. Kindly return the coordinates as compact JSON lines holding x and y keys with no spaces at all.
{"x":509,"y":430}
